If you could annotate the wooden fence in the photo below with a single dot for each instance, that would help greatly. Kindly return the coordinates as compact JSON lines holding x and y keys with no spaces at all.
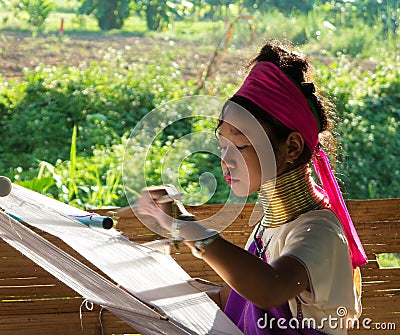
{"x":34,"y":302}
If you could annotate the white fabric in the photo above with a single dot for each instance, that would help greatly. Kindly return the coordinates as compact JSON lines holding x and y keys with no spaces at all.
{"x":80,"y":278}
{"x":148,"y":274}
{"x":317,"y":240}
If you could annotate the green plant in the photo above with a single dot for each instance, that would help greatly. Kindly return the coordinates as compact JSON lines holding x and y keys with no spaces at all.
{"x":285,"y":6}
{"x":369,"y":22}
{"x":369,"y":110}
{"x":390,"y":260}
{"x":109,"y":14}
{"x":223,"y":46}
{"x":96,"y":181}
{"x":158,"y":13}
{"x":85,"y":182}
{"x":372,"y":12}
{"x":353,"y":42}
{"x":37,"y":11}
{"x":104,"y":100}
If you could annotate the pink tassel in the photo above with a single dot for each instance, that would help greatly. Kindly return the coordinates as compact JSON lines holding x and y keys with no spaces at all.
{"x":338,"y":206}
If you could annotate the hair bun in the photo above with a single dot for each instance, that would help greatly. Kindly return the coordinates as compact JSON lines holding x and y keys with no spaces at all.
{"x":308,"y":89}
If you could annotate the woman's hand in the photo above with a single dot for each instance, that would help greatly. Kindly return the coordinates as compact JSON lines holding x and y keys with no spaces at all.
{"x":155,"y":201}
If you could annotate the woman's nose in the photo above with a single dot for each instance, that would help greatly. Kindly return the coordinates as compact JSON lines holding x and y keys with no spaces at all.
{"x":227,"y":158}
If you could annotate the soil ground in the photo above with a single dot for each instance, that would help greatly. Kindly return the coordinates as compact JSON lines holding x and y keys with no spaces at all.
{"x":19,"y":51}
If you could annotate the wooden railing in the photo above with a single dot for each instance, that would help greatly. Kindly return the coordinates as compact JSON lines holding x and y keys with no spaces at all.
{"x":34,"y":302}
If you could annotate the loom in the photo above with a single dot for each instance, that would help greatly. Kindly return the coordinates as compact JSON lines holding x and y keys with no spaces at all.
{"x":146,"y":288}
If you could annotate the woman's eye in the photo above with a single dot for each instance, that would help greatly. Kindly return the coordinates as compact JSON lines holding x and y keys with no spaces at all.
{"x":223,"y":148}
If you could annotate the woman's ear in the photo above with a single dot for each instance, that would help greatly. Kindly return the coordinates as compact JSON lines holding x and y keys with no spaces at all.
{"x":294,"y":146}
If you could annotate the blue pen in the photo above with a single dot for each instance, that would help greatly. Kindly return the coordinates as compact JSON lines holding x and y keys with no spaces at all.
{"x":94,"y":220}
{"x":91,"y":220}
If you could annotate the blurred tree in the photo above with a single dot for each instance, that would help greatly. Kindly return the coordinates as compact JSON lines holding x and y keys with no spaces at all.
{"x":110,"y":14}
{"x":37,"y":11}
{"x":217,"y":6}
{"x":284,"y":6}
{"x":158,"y":13}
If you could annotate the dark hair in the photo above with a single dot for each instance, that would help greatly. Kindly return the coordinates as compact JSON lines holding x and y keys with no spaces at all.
{"x":299,"y":69}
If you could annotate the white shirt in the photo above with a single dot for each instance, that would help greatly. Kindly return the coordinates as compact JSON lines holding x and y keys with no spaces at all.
{"x":317,"y":240}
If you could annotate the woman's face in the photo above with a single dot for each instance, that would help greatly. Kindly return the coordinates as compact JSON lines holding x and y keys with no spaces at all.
{"x":247,"y":158}
{"x":239,"y":161}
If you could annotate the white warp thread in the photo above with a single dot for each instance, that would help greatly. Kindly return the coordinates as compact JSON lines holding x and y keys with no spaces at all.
{"x":151,"y":276}
{"x":80,"y":278}
{"x":89,"y":306}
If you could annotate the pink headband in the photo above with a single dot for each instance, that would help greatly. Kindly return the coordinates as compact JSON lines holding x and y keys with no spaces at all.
{"x":272,"y":90}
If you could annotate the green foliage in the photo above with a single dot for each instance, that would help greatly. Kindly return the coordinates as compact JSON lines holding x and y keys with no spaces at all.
{"x":388,"y":260}
{"x":85,"y":182}
{"x":277,"y":25}
{"x":159,"y":13}
{"x":353,"y":42}
{"x":110,"y":14}
{"x":104,"y":100}
{"x":37,"y":10}
{"x":96,"y":181}
{"x":166,"y":158}
{"x":101,"y":102}
{"x":285,"y":6}
{"x":361,"y":28}
{"x":371,"y":12}
{"x":369,"y":109}
{"x":34,"y":12}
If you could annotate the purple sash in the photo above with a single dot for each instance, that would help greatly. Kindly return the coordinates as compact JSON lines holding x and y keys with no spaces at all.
{"x":252,"y":320}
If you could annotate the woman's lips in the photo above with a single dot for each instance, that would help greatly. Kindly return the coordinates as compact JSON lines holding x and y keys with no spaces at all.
{"x":229,"y":180}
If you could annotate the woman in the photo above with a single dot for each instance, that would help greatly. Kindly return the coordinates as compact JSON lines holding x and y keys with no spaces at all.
{"x":300,"y":262}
